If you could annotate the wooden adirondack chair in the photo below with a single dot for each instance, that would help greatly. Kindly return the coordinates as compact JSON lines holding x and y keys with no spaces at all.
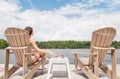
{"x":100,"y":44}
{"x":19,"y":44}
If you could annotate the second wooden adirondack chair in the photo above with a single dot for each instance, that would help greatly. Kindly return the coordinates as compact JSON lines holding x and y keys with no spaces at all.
{"x":100,"y":44}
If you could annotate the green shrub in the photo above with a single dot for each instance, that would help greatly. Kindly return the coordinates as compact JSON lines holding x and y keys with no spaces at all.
{"x":3,"y":43}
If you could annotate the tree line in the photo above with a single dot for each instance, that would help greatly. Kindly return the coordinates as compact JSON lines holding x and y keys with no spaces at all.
{"x":70,"y":44}
{"x":3,"y":44}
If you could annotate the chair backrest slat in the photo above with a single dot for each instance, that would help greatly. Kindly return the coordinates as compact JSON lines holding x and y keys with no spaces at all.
{"x":102,"y":38}
{"x":18,"y":38}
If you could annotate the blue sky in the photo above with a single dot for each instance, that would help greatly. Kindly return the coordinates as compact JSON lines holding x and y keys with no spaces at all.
{"x":44,"y":4}
{"x":60,"y":19}
{"x":56,"y":4}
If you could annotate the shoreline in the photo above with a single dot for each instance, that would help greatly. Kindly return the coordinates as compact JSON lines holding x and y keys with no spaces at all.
{"x":67,"y":53}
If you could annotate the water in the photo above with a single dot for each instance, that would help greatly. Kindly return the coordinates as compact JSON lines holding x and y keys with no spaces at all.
{"x":66,"y":52}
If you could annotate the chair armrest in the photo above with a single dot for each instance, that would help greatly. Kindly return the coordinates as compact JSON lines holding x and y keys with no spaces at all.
{"x":99,"y":48}
{"x":13,"y":48}
{"x":9,"y":48}
{"x":32,"y":53}
{"x":29,"y":53}
{"x":77,"y":53}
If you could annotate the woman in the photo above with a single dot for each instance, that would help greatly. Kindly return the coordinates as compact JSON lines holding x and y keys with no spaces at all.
{"x":36,"y":49}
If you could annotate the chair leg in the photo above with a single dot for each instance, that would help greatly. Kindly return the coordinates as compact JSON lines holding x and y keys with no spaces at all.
{"x":43,"y":63}
{"x":89,"y":74}
{"x":111,"y":73}
{"x":113,"y":56}
{"x":24,"y":65}
{"x":24,"y":69}
{"x":106,"y":70}
{"x":6,"y":64}
{"x":10,"y":72}
{"x":76,"y":63}
{"x":30,"y":74}
{"x":96,"y":66}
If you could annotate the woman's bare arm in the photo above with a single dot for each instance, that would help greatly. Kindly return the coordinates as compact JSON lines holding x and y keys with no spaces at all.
{"x":32,"y":42}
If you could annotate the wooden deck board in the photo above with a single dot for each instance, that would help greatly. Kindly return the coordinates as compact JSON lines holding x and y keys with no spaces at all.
{"x":59,"y":72}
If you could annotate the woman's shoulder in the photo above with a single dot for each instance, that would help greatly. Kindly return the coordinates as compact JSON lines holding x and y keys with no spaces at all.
{"x":31,"y":40}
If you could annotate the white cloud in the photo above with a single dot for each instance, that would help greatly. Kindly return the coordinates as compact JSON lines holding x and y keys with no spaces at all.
{"x":8,"y":8}
{"x":70,"y":22}
{"x":8,"y":11}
